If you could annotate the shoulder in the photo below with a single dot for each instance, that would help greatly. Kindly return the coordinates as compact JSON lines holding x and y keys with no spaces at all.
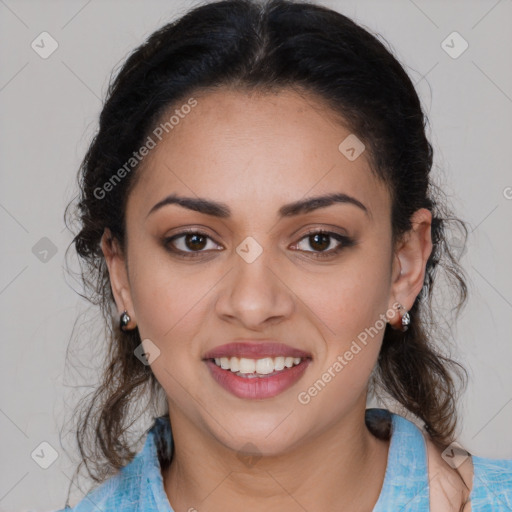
{"x":492,"y":484}
{"x":131,"y":489}
{"x":115,"y":493}
{"x":458,"y":479}
{"x":450,"y":476}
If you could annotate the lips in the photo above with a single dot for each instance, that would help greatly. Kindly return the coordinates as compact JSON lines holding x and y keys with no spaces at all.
{"x":254,"y":385}
{"x":257,"y":388}
{"x":255,"y":350}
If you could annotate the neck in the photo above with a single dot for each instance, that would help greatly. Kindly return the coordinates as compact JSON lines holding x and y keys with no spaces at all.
{"x":344,"y":464}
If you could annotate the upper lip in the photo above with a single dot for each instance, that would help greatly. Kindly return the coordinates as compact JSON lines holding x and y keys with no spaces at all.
{"x":255,"y":349}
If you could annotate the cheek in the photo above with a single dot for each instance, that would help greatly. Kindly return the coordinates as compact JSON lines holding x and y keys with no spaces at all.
{"x":352,"y":298}
{"x":170,"y":307}
{"x":351,"y":304}
{"x":354,"y":315}
{"x":165,"y":298}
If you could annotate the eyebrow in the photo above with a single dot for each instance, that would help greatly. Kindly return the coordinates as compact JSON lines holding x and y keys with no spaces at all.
{"x":221,"y":210}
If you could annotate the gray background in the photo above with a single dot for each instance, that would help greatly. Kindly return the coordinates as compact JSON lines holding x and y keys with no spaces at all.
{"x":49,"y":109}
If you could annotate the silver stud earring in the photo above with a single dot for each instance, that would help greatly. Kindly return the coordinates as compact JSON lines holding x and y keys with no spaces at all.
{"x":406,"y":318}
{"x":124,"y":320}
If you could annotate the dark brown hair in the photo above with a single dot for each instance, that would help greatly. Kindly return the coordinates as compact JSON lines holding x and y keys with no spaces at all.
{"x":271,"y":45}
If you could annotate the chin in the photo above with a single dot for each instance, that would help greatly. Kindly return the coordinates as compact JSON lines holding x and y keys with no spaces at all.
{"x":253,"y":437}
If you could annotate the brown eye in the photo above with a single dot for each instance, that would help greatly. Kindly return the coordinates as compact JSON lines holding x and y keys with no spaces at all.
{"x":189,"y":242}
{"x":195,"y":241}
{"x":323,"y":243}
{"x":319,"y":241}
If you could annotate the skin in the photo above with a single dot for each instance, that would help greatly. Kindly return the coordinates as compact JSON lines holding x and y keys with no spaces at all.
{"x":255,"y":152}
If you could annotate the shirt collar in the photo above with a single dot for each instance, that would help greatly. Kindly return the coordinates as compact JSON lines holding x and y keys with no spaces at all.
{"x":155,"y":455}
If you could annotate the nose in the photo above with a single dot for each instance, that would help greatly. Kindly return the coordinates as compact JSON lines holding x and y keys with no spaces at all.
{"x":254,"y":296}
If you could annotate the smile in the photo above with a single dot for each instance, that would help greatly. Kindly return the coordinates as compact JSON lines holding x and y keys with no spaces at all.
{"x":244,"y":367}
{"x":257,"y":378}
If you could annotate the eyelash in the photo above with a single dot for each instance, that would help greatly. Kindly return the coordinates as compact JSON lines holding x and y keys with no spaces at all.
{"x":344,"y":240}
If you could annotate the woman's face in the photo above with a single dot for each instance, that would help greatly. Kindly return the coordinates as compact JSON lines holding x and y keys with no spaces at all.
{"x":254,"y":274}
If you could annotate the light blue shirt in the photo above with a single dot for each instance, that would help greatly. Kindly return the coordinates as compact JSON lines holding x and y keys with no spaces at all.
{"x":139,"y":485}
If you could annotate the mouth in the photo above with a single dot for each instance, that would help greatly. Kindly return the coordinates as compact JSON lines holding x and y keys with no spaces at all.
{"x":256,"y":370}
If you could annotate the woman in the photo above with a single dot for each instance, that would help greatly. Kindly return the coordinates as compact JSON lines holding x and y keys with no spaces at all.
{"x":258,"y":209}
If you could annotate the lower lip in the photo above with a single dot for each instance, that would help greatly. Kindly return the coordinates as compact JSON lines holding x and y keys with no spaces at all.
{"x":257,"y":387}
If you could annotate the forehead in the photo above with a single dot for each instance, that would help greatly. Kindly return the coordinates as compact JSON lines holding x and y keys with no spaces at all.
{"x":254,"y":148}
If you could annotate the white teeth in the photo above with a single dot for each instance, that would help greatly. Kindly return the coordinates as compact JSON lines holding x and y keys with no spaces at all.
{"x":234,"y":364}
{"x":279,"y":363}
{"x":262,"y":366}
{"x":247,"y":365}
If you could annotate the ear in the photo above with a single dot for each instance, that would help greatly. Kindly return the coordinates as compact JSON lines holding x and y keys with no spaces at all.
{"x":118,"y":271}
{"x":410,"y":260}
